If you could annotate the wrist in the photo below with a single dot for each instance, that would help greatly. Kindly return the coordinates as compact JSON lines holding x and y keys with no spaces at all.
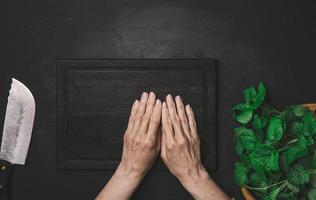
{"x":125,"y":173}
{"x":195,"y":180}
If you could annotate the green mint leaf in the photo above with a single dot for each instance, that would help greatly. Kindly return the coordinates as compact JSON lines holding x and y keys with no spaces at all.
{"x":250,"y":94}
{"x":311,"y":194}
{"x":268,"y":110}
{"x":257,"y":178}
{"x":298,"y":110}
{"x":260,"y":97}
{"x":302,"y":141}
{"x":293,"y":153}
{"x":273,"y":162}
{"x":305,"y":141}
{"x":275,"y":129}
{"x":292,"y":187}
{"x":313,"y":179}
{"x":283,"y":195}
{"x":242,"y":107}
{"x":298,"y":175}
{"x":243,"y":117}
{"x":310,"y":140}
{"x":246,"y":137}
{"x":313,"y":161}
{"x":297,"y":128}
{"x":264,"y":157}
{"x":240,"y":174}
{"x":309,"y":124}
{"x":259,"y":123}
{"x":239,"y":149}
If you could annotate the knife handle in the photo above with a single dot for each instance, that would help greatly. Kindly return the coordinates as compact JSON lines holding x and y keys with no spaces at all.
{"x":5,"y":180}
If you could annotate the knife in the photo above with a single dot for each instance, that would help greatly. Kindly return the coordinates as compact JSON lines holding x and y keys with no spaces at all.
{"x":17,"y":132}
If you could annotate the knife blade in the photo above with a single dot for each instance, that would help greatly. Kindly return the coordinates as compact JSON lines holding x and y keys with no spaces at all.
{"x":17,"y":132}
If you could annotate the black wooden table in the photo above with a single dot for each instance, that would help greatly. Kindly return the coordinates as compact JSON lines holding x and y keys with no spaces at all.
{"x":272,"y":41}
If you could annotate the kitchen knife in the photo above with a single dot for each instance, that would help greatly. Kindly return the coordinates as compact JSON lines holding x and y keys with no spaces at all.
{"x":17,"y":132}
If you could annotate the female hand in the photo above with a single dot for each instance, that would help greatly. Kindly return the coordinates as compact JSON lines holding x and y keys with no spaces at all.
{"x":180,"y":150}
{"x":140,"y":149}
{"x":141,"y":139}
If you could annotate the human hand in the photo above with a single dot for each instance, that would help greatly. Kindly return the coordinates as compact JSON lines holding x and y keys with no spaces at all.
{"x":180,"y":148}
{"x":141,"y":139}
{"x":140,"y":149}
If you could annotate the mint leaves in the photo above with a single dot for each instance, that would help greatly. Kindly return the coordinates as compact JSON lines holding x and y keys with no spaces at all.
{"x":276,"y":148}
{"x":253,"y":99}
{"x":298,"y":175}
{"x":240,"y":174}
{"x":275,"y":129}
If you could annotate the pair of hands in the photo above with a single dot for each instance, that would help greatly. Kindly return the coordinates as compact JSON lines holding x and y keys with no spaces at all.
{"x":168,"y":128}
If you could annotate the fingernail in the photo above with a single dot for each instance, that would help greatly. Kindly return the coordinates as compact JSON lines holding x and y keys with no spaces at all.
{"x":169,"y":96}
{"x":136,"y":102}
{"x":188,"y":106}
{"x":178,"y":97}
{"x":158,"y":102}
{"x":144,"y":94}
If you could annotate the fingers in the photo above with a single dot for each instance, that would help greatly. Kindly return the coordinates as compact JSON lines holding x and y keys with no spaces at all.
{"x":163,"y":143}
{"x":159,"y":138}
{"x":155,"y":119}
{"x":132,"y":116}
{"x":175,"y":120}
{"x":167,"y":129}
{"x":182,"y":116}
{"x":140,"y":110}
{"x":191,"y":118}
{"x":148,"y":113}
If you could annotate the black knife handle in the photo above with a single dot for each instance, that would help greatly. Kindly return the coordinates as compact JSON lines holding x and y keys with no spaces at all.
{"x":5,"y":180}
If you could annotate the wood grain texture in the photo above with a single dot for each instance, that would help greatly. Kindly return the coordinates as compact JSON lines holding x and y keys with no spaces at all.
{"x":95,"y":97}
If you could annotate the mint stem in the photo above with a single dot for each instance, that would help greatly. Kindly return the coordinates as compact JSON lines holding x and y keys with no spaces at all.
{"x":266,"y":187}
{"x":287,"y":145}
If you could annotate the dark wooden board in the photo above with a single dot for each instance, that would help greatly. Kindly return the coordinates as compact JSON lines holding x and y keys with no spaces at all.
{"x":95,"y":97}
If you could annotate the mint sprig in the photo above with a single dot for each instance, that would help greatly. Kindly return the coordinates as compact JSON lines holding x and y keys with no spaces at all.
{"x":276,"y":148}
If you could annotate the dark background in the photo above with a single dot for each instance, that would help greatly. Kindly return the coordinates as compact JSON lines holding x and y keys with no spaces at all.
{"x":273,"y":41}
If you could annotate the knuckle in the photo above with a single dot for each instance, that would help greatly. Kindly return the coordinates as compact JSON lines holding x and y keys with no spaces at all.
{"x":128,"y":139}
{"x":175,"y":120}
{"x":183,"y":120}
{"x":170,"y":145}
{"x":149,"y":144}
{"x":137,"y":141}
{"x":169,"y":123}
{"x":182,"y":143}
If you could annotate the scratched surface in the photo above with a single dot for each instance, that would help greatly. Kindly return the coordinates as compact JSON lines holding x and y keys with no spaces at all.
{"x":270,"y":40}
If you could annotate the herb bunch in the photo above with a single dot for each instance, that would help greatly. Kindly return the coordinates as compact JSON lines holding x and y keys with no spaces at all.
{"x":277,"y":157}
